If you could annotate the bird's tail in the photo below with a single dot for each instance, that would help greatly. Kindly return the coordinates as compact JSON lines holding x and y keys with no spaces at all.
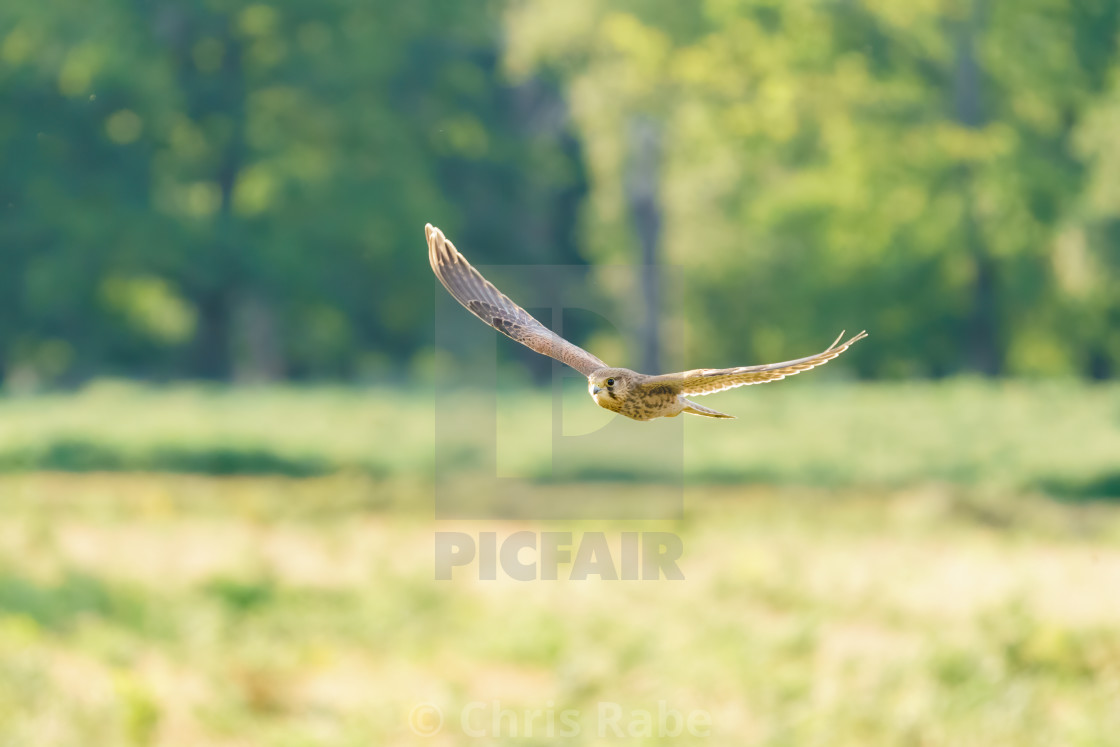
{"x":695,"y":409}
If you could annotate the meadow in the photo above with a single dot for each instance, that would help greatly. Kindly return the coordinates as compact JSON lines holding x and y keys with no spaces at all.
{"x":925,"y":564}
{"x":1058,"y":438}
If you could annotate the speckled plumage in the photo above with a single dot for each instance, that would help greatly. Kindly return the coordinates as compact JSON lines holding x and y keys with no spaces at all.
{"x":635,"y":395}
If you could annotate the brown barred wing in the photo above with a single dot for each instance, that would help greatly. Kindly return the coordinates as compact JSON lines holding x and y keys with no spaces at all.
{"x":710,"y":380}
{"x":489,"y":304}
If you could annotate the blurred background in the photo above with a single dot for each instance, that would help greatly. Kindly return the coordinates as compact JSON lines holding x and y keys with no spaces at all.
{"x":217,"y":363}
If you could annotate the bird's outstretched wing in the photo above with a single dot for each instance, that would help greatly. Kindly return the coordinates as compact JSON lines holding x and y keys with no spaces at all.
{"x":711,"y":380}
{"x":492,"y":306}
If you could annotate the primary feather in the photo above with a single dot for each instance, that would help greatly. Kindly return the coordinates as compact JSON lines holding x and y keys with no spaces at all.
{"x":702,"y":381}
{"x":489,"y":304}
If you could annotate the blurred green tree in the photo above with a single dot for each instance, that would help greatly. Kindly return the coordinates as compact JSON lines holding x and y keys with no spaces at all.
{"x":908,"y":168}
{"x":235,"y":188}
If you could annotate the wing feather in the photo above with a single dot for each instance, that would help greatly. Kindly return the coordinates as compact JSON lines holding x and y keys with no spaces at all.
{"x":711,"y":380}
{"x":489,"y":304}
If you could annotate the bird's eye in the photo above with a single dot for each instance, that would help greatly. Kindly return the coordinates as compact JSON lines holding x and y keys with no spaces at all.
{"x":610,"y":382}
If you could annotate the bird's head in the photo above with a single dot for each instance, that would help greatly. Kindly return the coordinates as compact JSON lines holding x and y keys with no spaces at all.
{"x":609,"y":385}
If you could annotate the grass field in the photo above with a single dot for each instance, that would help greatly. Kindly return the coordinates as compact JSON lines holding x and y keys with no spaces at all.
{"x":864,"y":566}
{"x":1061,"y":439}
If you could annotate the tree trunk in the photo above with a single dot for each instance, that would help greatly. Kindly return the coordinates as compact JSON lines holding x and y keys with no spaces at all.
{"x":642,"y":189}
{"x":211,"y":341}
{"x":983,"y":325}
{"x":258,"y":356}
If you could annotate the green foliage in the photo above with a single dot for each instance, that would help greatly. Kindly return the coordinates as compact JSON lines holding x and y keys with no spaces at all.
{"x":241,"y":596}
{"x":141,"y":710}
{"x":235,"y":189}
{"x":927,"y":172}
{"x":68,"y":454}
{"x":239,"y":188}
{"x":63,"y":603}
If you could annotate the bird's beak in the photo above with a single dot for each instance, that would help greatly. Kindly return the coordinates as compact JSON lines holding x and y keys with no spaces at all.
{"x":595,"y":389}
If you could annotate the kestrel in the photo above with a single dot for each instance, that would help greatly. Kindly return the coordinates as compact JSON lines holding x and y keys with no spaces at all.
{"x":635,"y":395}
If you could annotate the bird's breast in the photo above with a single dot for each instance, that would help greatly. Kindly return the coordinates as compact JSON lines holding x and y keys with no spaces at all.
{"x":649,"y":402}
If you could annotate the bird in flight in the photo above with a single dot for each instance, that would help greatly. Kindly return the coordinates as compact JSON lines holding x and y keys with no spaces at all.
{"x":635,"y":395}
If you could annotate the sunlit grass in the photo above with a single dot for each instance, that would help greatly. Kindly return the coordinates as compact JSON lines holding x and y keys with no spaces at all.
{"x":864,"y":565}
{"x":184,"y":610}
{"x":1059,"y":438}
